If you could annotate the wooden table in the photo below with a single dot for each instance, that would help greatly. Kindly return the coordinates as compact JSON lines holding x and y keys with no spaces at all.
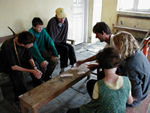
{"x":44,"y":93}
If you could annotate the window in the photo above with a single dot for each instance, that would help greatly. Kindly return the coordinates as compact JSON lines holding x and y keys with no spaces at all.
{"x":141,"y":6}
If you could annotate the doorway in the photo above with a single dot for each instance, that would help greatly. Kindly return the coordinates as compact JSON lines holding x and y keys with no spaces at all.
{"x":80,"y":20}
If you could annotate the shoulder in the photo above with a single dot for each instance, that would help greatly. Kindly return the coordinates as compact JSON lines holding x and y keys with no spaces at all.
{"x":43,"y":30}
{"x":8,"y":42}
{"x":137,"y":58}
{"x":100,"y":82}
{"x":125,"y":78}
{"x":44,"y":33}
{"x":66,"y":21}
{"x":31,"y":30}
{"x":53,"y":20}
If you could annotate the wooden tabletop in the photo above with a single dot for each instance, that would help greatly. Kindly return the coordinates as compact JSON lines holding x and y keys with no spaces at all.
{"x":47,"y":91}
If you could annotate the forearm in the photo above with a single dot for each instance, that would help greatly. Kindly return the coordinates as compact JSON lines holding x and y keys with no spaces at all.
{"x":136,"y":83}
{"x":31,"y":61}
{"x":36,"y":54}
{"x":137,"y":91}
{"x":55,"y":52}
{"x":92,"y":58}
{"x":51,"y":46}
{"x":130,"y":98}
{"x":19,"y":68}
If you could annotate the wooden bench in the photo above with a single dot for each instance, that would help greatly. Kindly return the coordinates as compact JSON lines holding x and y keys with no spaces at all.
{"x":4,"y":78}
{"x":37,"y":97}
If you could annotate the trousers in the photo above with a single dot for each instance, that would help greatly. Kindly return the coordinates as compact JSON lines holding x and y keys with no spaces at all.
{"x":18,"y":80}
{"x":50,"y":67}
{"x":66,"y":51}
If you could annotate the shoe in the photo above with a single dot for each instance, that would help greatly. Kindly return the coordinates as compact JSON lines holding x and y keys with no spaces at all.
{"x":62,"y":70}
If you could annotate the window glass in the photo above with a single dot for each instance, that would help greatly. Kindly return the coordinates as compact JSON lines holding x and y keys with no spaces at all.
{"x":134,"y":5}
{"x":126,"y":4}
{"x":144,"y":4}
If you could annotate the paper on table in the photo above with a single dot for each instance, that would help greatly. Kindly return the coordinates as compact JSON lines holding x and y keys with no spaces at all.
{"x":81,"y":72}
{"x":66,"y":75}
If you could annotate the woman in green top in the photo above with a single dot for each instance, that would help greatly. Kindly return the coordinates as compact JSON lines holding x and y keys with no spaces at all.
{"x":110,"y":94}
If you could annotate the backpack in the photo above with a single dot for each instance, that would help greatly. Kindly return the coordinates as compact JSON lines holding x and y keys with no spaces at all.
{"x":146,"y":46}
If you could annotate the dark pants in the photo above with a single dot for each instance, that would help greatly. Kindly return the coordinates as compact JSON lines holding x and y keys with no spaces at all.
{"x":74,"y":110}
{"x":18,"y":80}
{"x":18,"y":83}
{"x":91,"y":83}
{"x":66,"y":52}
{"x":90,"y":86}
{"x":51,"y":65}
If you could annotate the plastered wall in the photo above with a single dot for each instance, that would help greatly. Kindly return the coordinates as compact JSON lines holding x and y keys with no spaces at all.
{"x":18,"y":14}
{"x":109,"y":11}
{"x":90,"y":19}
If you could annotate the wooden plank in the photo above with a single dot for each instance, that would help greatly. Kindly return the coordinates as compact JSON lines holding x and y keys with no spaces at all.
{"x":47,"y":91}
{"x":133,"y":16}
{"x":72,"y":41}
{"x":2,"y":39}
{"x":129,"y":28}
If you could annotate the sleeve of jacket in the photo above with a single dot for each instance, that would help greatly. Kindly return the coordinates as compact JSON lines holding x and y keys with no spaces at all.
{"x":65,"y":32}
{"x":50,"y":44}
{"x":36,"y":53}
{"x":51,"y":29}
{"x":136,"y":83}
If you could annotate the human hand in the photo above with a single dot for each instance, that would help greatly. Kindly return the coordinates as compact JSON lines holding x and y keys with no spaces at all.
{"x":37,"y":73}
{"x":44,"y":64}
{"x":79,"y":63}
{"x":54,"y":58}
{"x":92,"y":66}
{"x":134,"y":99}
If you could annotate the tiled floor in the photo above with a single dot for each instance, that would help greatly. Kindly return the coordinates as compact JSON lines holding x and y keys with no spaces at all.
{"x":72,"y":97}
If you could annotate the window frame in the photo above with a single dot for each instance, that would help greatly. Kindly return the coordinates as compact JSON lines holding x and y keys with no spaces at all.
{"x":134,"y":9}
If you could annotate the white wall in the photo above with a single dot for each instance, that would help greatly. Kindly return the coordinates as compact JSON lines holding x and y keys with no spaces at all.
{"x":18,"y":14}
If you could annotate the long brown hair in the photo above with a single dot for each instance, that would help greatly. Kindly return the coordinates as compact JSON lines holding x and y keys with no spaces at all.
{"x":126,"y":43}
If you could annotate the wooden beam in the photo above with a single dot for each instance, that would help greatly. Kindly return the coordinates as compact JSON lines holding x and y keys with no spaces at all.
{"x":129,"y":28}
{"x":2,"y":39}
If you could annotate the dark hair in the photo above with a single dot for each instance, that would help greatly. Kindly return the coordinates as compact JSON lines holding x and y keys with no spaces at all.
{"x":25,"y":37}
{"x":108,"y":58}
{"x":36,"y":21}
{"x":101,"y":27}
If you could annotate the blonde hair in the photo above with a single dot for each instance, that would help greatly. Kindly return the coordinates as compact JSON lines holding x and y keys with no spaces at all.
{"x":126,"y":43}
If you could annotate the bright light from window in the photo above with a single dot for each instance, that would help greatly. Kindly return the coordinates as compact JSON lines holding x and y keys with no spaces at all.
{"x":144,"y":4}
{"x":134,"y":5}
{"x":126,"y":4}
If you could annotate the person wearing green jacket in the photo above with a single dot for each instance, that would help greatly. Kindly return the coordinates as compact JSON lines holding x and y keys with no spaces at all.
{"x":43,"y":50}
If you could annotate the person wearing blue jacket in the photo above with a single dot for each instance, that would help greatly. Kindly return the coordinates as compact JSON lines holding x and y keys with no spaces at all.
{"x":136,"y":66}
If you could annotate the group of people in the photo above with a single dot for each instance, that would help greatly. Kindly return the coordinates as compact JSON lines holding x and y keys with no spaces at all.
{"x":123,"y":81}
{"x":36,"y":51}
{"x":125,"y":77}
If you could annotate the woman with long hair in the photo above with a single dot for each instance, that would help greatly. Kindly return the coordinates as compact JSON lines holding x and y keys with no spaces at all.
{"x":136,"y":65}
